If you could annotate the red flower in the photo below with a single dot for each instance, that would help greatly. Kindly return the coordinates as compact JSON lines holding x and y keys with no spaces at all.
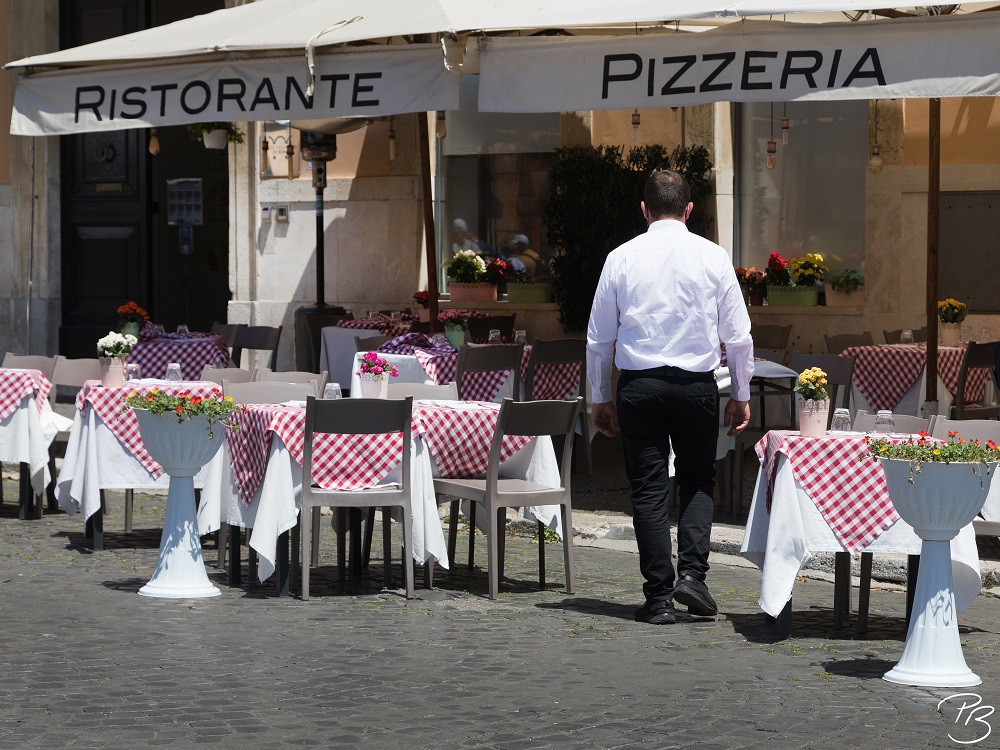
{"x":195,"y":400}
{"x":924,"y":434}
{"x":777,"y":262}
{"x":149,"y":398}
{"x":991,"y":445}
{"x":179,"y":409}
{"x":952,"y":433}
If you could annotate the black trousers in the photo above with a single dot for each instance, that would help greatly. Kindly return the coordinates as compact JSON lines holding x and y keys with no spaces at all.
{"x":658,"y":409}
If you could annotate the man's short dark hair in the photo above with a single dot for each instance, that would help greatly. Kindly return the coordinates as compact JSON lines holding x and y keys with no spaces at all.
{"x":667,"y":195}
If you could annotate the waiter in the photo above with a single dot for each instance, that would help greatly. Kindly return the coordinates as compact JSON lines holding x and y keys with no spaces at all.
{"x":665,"y":301}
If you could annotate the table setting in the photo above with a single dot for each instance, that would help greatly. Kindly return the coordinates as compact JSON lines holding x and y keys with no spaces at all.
{"x":192,"y":350}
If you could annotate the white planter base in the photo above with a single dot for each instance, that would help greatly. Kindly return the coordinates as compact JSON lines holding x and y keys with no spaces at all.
{"x":933,"y":652}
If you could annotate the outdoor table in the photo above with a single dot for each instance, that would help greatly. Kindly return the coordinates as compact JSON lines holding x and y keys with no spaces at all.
{"x":105,"y":450}
{"x":893,"y":376}
{"x":27,"y":428}
{"x":258,"y":485}
{"x":764,"y":370}
{"x":192,"y":350}
{"x":817,"y":495}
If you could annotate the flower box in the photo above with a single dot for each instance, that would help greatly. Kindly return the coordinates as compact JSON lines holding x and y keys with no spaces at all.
{"x":845,"y":299}
{"x":793,"y":296}
{"x":472,"y":292}
{"x":540,"y":292}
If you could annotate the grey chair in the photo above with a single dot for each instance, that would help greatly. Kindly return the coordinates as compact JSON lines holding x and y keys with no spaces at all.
{"x":892,"y":337}
{"x":420,"y":326}
{"x":68,"y":377}
{"x":270,"y":392}
{"x":357,"y":417}
{"x":317,"y":379}
{"x":495,"y":358}
{"x":836,"y":344}
{"x":977,"y":356}
{"x":444,"y":392}
{"x":369,"y":343}
{"x":496,"y":494}
{"x":257,"y":338}
{"x":227,"y":331}
{"x":479,"y":328}
{"x":233,"y":374}
{"x":865,"y":422}
{"x":560,"y":352}
{"x":770,"y":336}
{"x":31,"y":362}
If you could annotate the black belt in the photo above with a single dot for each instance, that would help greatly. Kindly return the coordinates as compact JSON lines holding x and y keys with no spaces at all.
{"x":669,"y":371}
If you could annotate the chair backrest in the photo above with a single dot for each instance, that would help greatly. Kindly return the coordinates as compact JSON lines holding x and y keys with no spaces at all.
{"x":262,"y":338}
{"x":444,"y":392}
{"x":232,"y":374}
{"x":69,"y":375}
{"x":770,"y":336}
{"x":420,"y":326}
{"x":771,"y":355}
{"x":905,"y":424}
{"x":555,"y":352}
{"x":31,"y":362}
{"x":839,"y":371}
{"x":892,"y":337}
{"x":977,"y":356}
{"x":227,"y":331}
{"x":317,"y":380}
{"x":479,"y":328}
{"x":266,"y":393}
{"x":369,"y":343}
{"x":309,"y":334}
{"x":967,"y":429}
{"x":836,"y":344}
{"x":490,"y":359}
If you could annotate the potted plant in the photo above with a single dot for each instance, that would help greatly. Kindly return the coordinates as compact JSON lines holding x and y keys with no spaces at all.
{"x":177,"y":431}
{"x":938,"y":488}
{"x":522,"y":288}
{"x":455,"y":323}
{"x":813,"y":402}
{"x":131,"y":318}
{"x":778,"y":282}
{"x":846,"y":289}
{"x":951,"y":313}
{"x":754,"y":285}
{"x":374,"y":374}
{"x":422,"y":300}
{"x":111,"y":353}
{"x":215,"y":134}
{"x":806,"y":273}
{"x":496,"y":274}
{"x":467,"y":278}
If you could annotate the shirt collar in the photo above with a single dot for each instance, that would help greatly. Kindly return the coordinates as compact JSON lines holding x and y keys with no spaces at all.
{"x":667,"y":225}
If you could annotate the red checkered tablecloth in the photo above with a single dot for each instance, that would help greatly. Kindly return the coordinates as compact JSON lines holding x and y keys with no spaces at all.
{"x":16,"y":384}
{"x":459,"y":435}
{"x":850,"y":494}
{"x":884,"y":373}
{"x":193,"y":352}
{"x":107,"y":403}
{"x":383,"y":324}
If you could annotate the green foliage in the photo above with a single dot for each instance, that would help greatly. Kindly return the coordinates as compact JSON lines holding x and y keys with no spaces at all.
{"x":847,"y":281}
{"x":594,"y":207}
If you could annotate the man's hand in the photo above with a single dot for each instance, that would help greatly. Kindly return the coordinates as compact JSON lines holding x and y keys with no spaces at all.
{"x":737,"y":416}
{"x":605,"y":418}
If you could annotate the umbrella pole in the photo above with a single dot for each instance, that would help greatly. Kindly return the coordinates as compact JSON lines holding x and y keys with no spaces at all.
{"x":930,"y":407}
{"x":429,"y":240}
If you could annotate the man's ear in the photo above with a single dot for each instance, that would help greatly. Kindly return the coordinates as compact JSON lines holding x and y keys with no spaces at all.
{"x":687,"y":210}
{"x":645,"y":214}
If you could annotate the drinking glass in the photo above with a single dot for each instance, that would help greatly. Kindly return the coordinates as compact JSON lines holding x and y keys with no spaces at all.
{"x":396,"y":317}
{"x":966,"y":335}
{"x":906,"y":337}
{"x":373,"y":314}
{"x":183,"y":330}
{"x":174,"y":372}
{"x":841,"y":421}
{"x":884,"y":424}
{"x":984,"y":334}
{"x":158,"y":328}
{"x":520,"y":337}
{"x":494,"y":337}
{"x":133,"y":371}
{"x":332,"y":390}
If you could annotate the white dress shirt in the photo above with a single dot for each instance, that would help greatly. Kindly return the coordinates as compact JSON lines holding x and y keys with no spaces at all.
{"x":668,"y":297}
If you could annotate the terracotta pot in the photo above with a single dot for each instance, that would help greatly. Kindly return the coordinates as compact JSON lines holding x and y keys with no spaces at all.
{"x":478,"y":292}
{"x":813,"y":416}
{"x":951,"y":334}
{"x":756,"y":300}
{"x":374,"y":386}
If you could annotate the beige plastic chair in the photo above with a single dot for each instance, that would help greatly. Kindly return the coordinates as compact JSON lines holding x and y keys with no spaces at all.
{"x":318,"y":380}
{"x":493,"y":358}
{"x":258,"y":392}
{"x":357,"y":417}
{"x":836,"y":344}
{"x":211,"y":374}
{"x":904,"y":423}
{"x":31,"y":362}
{"x":370,"y":343}
{"x":561,"y":352}
{"x":533,"y":418}
{"x":426,"y":391}
{"x":976,"y":356}
{"x":257,"y":338}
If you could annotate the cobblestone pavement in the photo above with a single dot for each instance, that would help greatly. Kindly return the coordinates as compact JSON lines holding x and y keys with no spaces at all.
{"x":87,"y":663}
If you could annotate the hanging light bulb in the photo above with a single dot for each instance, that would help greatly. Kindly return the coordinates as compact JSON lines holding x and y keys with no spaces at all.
{"x":442,"y":126}
{"x":785,"y":124}
{"x":265,"y":165}
{"x":290,"y":155}
{"x":875,"y":162}
{"x":635,"y":127}
{"x":392,"y":141}
{"x":154,"y":142}
{"x":772,"y":145}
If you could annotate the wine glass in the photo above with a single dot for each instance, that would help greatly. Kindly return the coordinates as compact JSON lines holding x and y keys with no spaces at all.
{"x":494,"y":337}
{"x":133,"y":371}
{"x":396,"y":317}
{"x":174,"y":374}
{"x":183,"y":330}
{"x":332,"y":390}
{"x":906,"y":337}
{"x":841,"y":421}
{"x":373,"y":315}
{"x":884,"y":424}
{"x":966,"y":335}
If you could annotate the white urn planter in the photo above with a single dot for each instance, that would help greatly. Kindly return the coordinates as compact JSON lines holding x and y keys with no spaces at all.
{"x":813,"y":416}
{"x":938,"y":503}
{"x":217,"y":138}
{"x":374,"y":386}
{"x":112,"y":371}
{"x":182,"y":449}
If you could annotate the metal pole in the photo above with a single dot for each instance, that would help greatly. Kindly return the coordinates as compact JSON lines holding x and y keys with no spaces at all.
{"x":933,"y":215}
{"x":31,"y":253}
{"x":319,"y":182}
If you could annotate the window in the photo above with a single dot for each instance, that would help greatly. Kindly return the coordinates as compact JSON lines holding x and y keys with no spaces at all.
{"x":814,"y":198}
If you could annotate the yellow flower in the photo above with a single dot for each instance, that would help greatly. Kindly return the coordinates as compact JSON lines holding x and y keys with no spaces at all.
{"x":228,"y":398}
{"x":886,"y":447}
{"x":937,"y":451}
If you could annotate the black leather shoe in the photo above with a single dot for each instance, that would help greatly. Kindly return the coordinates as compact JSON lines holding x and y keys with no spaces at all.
{"x":663,"y":614}
{"x":694,"y":594}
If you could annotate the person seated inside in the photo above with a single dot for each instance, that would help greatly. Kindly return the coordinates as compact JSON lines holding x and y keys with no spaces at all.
{"x":530,"y":261}
{"x":466,"y":240}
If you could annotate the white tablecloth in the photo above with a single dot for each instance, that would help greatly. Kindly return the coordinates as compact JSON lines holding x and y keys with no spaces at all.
{"x":274,"y":508}
{"x":781,"y":542}
{"x":25,"y":437}
{"x":337,"y":350}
